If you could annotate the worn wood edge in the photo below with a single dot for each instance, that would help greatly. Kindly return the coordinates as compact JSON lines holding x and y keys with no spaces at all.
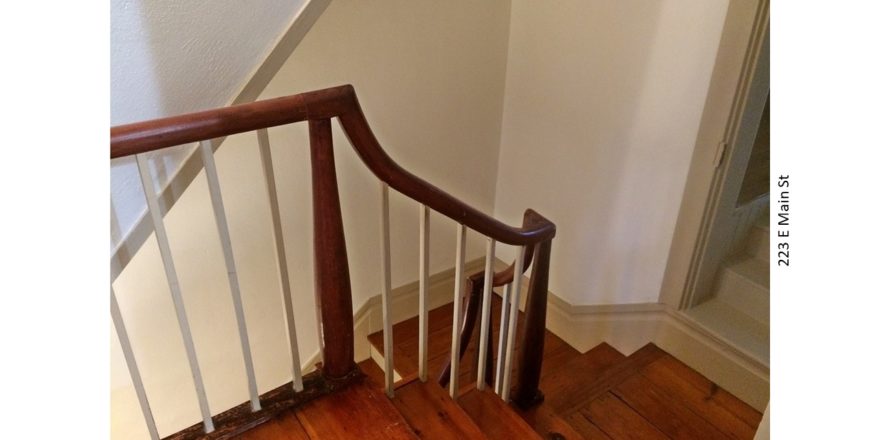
{"x":629,"y":327}
{"x":239,"y":419}
{"x":192,"y":165}
{"x":368,"y":316}
{"x":626,"y":327}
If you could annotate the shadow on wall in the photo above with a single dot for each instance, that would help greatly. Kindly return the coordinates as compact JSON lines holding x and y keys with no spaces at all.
{"x":602,"y":106}
{"x":169,"y":57}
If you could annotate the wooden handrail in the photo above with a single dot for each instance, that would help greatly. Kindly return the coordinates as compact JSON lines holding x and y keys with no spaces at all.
{"x":340,"y":102}
{"x":333,"y":289}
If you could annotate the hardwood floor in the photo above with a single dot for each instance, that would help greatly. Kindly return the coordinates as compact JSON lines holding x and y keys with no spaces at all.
{"x":600,"y":394}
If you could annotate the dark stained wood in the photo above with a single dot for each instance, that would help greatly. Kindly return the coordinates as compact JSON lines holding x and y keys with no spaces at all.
{"x":585,"y":428}
{"x":494,"y":417}
{"x":332,"y":280}
{"x":580,"y":373}
{"x":608,"y":379}
{"x":142,"y":137}
{"x":374,"y":157}
{"x":473,"y":306}
{"x":338,"y":102}
{"x":531,"y":354}
{"x":285,"y":427}
{"x":239,"y":419}
{"x":357,"y":412}
{"x":668,"y":415}
{"x":703,"y":396}
{"x":432,"y":414}
{"x":373,"y":373}
{"x":548,"y":424}
{"x":619,"y":421}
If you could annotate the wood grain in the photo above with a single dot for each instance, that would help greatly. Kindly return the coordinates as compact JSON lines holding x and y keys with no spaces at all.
{"x":494,"y":417}
{"x":357,"y":412}
{"x":667,"y":414}
{"x":432,"y":414}
{"x":239,"y":419}
{"x":619,"y":421}
{"x":703,"y":400}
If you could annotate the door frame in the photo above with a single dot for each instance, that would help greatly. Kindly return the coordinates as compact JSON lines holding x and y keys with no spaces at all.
{"x":741,"y":70}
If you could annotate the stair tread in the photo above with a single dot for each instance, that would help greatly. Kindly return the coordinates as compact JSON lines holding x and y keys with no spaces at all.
{"x":358,"y":411}
{"x":548,"y":424}
{"x":670,"y":416}
{"x":432,"y":414}
{"x":729,"y":414}
{"x":753,"y":269}
{"x":739,"y":329}
{"x":496,"y":419}
{"x":560,"y":388}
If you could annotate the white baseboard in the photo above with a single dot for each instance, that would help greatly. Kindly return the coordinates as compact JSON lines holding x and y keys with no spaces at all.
{"x":626,"y":327}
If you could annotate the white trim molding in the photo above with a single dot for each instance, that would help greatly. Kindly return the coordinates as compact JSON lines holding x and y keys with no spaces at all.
{"x":299,"y":26}
{"x":626,"y":327}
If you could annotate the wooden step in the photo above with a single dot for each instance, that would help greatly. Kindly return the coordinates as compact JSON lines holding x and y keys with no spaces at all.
{"x":560,"y":387}
{"x":432,"y":414}
{"x":360,"y":411}
{"x":495,"y":418}
{"x":548,"y":424}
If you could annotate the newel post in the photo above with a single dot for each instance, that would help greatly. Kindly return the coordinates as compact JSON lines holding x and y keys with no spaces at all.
{"x":332,"y":280}
{"x":531,"y":354}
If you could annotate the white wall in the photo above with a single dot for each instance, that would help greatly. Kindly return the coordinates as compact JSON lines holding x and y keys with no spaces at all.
{"x":430,"y":79}
{"x":602,"y":105}
{"x":169,"y":57}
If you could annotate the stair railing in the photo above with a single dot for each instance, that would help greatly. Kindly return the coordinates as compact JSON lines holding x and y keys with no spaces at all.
{"x":332,"y":282}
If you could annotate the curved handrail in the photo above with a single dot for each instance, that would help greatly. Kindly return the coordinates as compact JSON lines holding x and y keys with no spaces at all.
{"x":340,"y":102}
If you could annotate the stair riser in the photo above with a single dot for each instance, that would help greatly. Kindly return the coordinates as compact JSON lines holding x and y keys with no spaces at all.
{"x":745,"y":295}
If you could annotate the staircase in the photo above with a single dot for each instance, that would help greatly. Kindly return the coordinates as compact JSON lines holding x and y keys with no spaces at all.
{"x":534,"y":386}
{"x":740,"y":308}
{"x":600,"y":394}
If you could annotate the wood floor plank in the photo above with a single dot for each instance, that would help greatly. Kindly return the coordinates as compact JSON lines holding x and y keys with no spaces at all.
{"x":495,"y":418}
{"x":667,"y":414}
{"x":585,"y":428}
{"x":618,"y":420}
{"x":357,"y":412}
{"x":701,"y":400}
{"x":549,"y":425}
{"x":559,"y":387}
{"x":707,"y":389}
{"x":285,"y":427}
{"x":432,"y":414}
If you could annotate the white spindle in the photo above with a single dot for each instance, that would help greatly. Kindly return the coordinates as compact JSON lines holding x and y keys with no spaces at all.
{"x":387,"y":320}
{"x":511,"y":325}
{"x":132,"y":366}
{"x":484,"y":320}
{"x":424,"y":239}
{"x":281,"y":258}
{"x":456,"y":311}
{"x":234,"y":287}
{"x":174,"y":285}
{"x":502,"y":339}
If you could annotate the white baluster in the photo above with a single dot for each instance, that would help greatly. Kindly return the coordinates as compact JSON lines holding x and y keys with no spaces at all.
{"x":174,"y":285}
{"x":234,"y":287}
{"x":132,"y":366}
{"x":511,"y":326}
{"x":281,"y":259}
{"x":387,"y":320}
{"x":502,"y":339}
{"x":456,"y":311}
{"x":484,"y":320}
{"x":424,"y":240}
